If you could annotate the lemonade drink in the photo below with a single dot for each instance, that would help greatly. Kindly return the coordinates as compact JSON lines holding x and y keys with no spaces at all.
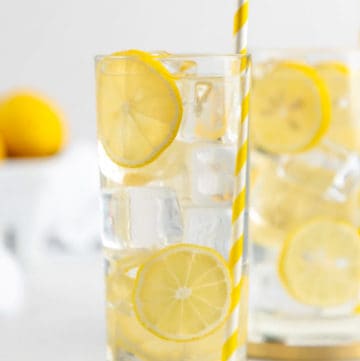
{"x":168,"y":129}
{"x":305,"y":210}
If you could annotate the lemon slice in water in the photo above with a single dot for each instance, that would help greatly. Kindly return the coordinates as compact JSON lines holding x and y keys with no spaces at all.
{"x":290,"y":108}
{"x":320,"y":263}
{"x":139,"y":107}
{"x":183,"y":292}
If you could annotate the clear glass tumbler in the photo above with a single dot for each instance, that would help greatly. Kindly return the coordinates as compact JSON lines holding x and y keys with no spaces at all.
{"x":169,"y":132}
{"x":305,"y":205}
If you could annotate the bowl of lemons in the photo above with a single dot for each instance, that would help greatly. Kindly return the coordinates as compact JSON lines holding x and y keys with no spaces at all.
{"x":33,"y":132}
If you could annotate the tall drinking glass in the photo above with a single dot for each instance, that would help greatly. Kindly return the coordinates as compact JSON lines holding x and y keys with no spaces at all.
{"x":305,"y":205}
{"x":169,"y":134}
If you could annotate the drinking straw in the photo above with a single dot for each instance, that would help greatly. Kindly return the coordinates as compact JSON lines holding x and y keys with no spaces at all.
{"x":233,"y":341}
{"x":240,"y":28}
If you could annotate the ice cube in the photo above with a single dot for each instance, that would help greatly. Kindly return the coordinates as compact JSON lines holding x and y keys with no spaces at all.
{"x":211,"y":103}
{"x":212,"y":169}
{"x":346,"y":178}
{"x":115,"y":212}
{"x":202,"y":91}
{"x":154,"y":216}
{"x":208,"y":226}
{"x":204,"y":108}
{"x":288,"y":196}
{"x":330,"y":170}
{"x":142,"y":217}
{"x":169,"y":217}
{"x":168,"y":169}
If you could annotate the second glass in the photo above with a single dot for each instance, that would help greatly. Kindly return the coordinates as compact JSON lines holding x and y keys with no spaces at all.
{"x":305,"y":209}
{"x":168,"y":130}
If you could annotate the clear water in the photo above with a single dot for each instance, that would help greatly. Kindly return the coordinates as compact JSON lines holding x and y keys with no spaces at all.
{"x":185,"y":195}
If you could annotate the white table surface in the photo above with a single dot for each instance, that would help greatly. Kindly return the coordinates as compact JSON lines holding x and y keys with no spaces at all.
{"x":61,"y":317}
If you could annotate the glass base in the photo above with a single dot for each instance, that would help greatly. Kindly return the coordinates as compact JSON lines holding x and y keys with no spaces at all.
{"x":120,"y":355}
{"x":276,"y":337}
{"x":279,"y":352}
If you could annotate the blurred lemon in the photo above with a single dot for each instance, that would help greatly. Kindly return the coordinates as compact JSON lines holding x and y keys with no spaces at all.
{"x":2,"y":148}
{"x":290,"y":108}
{"x":320,"y":263}
{"x":340,"y":81}
{"x":31,"y":125}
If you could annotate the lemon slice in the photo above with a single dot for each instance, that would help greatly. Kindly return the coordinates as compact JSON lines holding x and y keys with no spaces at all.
{"x":290,"y":108}
{"x":139,"y":107}
{"x":320,"y":263}
{"x":338,"y":81}
{"x":182,"y":293}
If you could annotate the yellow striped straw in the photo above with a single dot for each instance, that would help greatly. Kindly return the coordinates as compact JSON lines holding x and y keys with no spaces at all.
{"x":235,"y":338}
{"x":240,"y":30}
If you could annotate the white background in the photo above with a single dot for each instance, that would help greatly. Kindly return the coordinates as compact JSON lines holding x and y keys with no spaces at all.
{"x":49,"y":45}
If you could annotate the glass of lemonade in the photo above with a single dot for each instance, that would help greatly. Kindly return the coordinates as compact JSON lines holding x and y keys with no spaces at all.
{"x":305,"y":205}
{"x":168,"y":134}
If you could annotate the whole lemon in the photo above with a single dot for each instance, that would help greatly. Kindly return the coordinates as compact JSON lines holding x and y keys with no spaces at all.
{"x":31,"y":126}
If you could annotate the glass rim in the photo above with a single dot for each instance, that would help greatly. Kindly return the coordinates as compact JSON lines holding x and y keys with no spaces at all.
{"x":175,"y":56}
{"x":307,"y":50}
